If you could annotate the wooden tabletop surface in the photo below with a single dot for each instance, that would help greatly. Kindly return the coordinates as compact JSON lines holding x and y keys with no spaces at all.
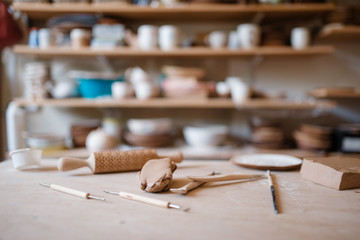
{"x":227,"y":210}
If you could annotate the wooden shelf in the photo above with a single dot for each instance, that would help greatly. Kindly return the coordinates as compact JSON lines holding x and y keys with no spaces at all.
{"x":183,"y":52}
{"x":205,"y":153}
{"x":191,"y":12}
{"x":340,"y":33}
{"x":216,"y":103}
{"x":355,"y":95}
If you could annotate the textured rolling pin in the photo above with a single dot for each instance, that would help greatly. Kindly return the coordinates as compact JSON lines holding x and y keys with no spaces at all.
{"x":115,"y":161}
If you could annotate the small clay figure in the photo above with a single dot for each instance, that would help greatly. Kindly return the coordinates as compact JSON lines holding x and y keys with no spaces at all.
{"x":156,"y":175}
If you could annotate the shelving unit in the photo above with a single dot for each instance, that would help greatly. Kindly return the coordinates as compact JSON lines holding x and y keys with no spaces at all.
{"x":187,"y":13}
{"x":181,"y":52}
{"x":213,"y":12}
{"x":178,"y":103}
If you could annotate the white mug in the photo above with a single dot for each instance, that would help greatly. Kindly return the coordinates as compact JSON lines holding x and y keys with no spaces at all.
{"x":249,"y":35}
{"x":147,"y":37}
{"x":300,"y":38}
{"x":80,"y":38}
{"x":217,"y":39}
{"x":144,"y":90}
{"x":121,"y":90}
{"x":239,"y":89}
{"x":222,"y":89}
{"x":233,"y":42}
{"x":46,"y":38}
{"x":168,"y":37}
{"x":136,"y":75}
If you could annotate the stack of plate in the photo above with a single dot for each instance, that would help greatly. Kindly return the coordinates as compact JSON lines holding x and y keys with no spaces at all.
{"x":313,"y":137}
{"x":44,"y":141}
{"x":185,"y":82}
{"x":267,"y":137}
{"x":157,"y":132}
{"x":80,"y":131}
{"x":35,"y":76}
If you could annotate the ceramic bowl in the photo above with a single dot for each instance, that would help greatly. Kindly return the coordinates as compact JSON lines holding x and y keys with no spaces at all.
{"x":155,"y":126}
{"x":205,"y":135}
{"x":25,"y":157}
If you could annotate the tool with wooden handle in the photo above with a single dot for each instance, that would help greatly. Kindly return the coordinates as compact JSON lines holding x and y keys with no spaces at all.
{"x":272,"y":190}
{"x":190,"y":186}
{"x":151,"y":201}
{"x":71,"y":191}
{"x":226,"y":177}
{"x":115,"y":161}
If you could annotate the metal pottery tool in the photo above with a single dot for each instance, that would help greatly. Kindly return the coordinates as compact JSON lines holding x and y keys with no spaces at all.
{"x":115,"y":161}
{"x":190,"y":186}
{"x":276,"y":210}
{"x":151,"y":201}
{"x":70,"y":191}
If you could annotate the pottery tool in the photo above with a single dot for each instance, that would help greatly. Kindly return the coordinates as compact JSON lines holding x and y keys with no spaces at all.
{"x":151,"y":201}
{"x":272,"y":191}
{"x":70,"y":191}
{"x":190,"y":186}
{"x":226,"y":177}
{"x":115,"y":161}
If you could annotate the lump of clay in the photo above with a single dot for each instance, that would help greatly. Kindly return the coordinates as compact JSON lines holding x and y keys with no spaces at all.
{"x":156,"y":175}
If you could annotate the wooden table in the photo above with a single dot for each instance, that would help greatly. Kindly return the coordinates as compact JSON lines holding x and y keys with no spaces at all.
{"x":228,"y":210}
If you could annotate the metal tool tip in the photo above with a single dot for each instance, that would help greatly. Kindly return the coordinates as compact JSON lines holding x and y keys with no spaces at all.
{"x":97,"y":198}
{"x":107,"y":191}
{"x":44,"y":184}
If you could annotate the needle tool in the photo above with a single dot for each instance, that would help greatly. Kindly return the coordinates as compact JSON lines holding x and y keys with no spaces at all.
{"x":276,"y":210}
{"x":151,"y":201}
{"x":71,"y":191}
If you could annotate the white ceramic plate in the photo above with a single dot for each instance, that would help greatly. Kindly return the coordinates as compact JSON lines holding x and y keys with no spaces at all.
{"x":278,"y":162}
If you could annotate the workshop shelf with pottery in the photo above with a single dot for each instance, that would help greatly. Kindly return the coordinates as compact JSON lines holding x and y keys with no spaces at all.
{"x":129,"y":89}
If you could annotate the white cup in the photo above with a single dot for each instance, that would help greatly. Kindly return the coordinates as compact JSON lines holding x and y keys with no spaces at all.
{"x":249,"y":35}
{"x":144,"y":90}
{"x":168,"y":37}
{"x":233,"y":42}
{"x":222,"y":89}
{"x":121,"y":90}
{"x":147,"y":37}
{"x":300,"y":38}
{"x":136,"y":75}
{"x":46,"y":38}
{"x":80,"y":38}
{"x":238,"y":88}
{"x":217,"y":39}
{"x":26,"y":158}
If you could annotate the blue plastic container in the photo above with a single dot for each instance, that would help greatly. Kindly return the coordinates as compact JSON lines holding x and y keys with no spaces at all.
{"x":93,"y":88}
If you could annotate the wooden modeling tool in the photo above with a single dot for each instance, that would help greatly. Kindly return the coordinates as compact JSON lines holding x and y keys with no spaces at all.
{"x":276,"y":210}
{"x":115,"y":161}
{"x":151,"y":201}
{"x":70,"y":191}
{"x":190,"y":186}
{"x":226,"y":177}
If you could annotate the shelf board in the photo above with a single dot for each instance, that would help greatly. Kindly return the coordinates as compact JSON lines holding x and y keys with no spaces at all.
{"x":215,"y":103}
{"x":191,"y":12}
{"x":204,"y":153}
{"x":347,"y":32}
{"x":181,"y":52}
{"x":355,"y":95}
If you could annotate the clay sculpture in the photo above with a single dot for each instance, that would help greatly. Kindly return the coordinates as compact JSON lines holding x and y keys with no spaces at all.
{"x":156,"y":175}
